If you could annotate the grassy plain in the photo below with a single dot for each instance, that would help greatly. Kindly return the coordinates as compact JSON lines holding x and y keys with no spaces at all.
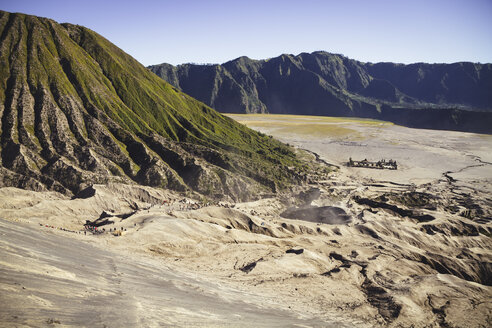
{"x":309,"y":126}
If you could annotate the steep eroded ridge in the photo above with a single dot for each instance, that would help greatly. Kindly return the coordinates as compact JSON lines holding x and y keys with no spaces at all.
{"x":77,"y":110}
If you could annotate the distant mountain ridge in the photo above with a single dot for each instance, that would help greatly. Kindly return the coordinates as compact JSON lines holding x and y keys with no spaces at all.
{"x":423,"y":95}
{"x":76,"y":110}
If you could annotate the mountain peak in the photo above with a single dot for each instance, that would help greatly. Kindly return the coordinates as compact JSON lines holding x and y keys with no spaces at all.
{"x":77,"y":110}
{"x":240,"y":59}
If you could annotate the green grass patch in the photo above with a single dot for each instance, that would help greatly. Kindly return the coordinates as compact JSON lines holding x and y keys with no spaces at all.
{"x":314,"y":126}
{"x":304,"y":118}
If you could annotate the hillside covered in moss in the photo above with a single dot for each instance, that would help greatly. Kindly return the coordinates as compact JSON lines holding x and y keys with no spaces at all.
{"x":77,"y":110}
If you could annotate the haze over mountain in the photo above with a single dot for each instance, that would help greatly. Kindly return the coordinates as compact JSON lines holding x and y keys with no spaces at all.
{"x":77,"y":110}
{"x":438,"y":96}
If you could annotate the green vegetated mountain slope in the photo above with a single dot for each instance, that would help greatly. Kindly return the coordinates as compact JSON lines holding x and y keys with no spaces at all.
{"x":77,"y":110}
{"x":441,"y":96}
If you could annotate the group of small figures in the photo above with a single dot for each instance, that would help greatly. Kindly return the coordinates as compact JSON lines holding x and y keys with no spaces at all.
{"x":98,"y":230}
{"x":57,"y":228}
{"x":188,"y":205}
{"x":93,"y":229}
{"x":381,"y":164}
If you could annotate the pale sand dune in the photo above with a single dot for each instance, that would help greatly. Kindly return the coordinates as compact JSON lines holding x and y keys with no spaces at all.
{"x":114,"y":289}
{"x":248,"y":266}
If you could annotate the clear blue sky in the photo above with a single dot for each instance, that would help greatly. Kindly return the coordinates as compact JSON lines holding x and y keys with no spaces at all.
{"x":210,"y":31}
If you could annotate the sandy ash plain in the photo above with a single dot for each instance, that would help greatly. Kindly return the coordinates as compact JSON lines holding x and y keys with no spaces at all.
{"x":362,"y":248}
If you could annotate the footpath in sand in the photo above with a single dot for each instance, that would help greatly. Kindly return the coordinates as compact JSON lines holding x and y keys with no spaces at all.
{"x":50,"y":278}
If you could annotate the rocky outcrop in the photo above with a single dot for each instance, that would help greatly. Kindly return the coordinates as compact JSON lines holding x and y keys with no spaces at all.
{"x":436,"y":96}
